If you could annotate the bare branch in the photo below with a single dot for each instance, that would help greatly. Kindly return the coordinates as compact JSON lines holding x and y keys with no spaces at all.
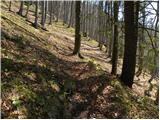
{"x":141,"y":26}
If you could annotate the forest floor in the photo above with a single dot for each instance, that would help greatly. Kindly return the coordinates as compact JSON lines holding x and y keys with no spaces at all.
{"x":41,"y":79}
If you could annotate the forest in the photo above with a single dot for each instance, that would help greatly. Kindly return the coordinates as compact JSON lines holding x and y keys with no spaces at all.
{"x":88,"y":59}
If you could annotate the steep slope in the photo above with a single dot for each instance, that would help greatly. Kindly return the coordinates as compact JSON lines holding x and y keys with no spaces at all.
{"x":41,"y":79}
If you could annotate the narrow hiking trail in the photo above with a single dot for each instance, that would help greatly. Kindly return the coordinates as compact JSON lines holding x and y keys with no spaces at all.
{"x":46,"y":81}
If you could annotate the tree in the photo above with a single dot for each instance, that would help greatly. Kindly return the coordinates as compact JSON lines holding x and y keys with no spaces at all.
{"x":111,"y":29}
{"x":10,"y":3}
{"x":51,"y":12}
{"x":57,"y":10}
{"x":36,"y":15}
{"x":20,"y":12}
{"x":77,"y":30}
{"x":100,"y":8}
{"x":84,"y":20}
{"x":107,"y":8}
{"x":70,"y":17}
{"x":45,"y":11}
{"x":131,"y":34}
{"x":28,"y":5}
{"x":43,"y":14}
{"x":115,"y":42}
{"x":64,"y":12}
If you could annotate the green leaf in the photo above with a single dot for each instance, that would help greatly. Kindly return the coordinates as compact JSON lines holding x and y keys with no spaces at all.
{"x":16,"y":102}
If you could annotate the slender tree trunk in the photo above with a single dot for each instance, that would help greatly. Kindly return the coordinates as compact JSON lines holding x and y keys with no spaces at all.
{"x":84,"y":20}
{"x":131,"y":34}
{"x":46,"y":10}
{"x":51,"y":12}
{"x":87,"y":17}
{"x":20,"y":12}
{"x":100,"y":24}
{"x":90,"y":20}
{"x":57,"y":11}
{"x":28,"y":5}
{"x":60,"y":10}
{"x":36,"y":15}
{"x":10,"y":4}
{"x":42,"y":11}
{"x":107,"y":9}
{"x":77,"y":30}
{"x":64,"y":11}
{"x":115,"y":42}
{"x":70,"y":17}
{"x":111,"y":35}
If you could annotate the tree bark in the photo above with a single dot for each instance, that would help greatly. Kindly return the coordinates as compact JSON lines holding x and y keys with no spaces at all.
{"x":84,"y":19}
{"x":100,"y":7}
{"x":131,"y":34}
{"x":115,"y":42}
{"x":36,"y":15}
{"x":111,"y":35}
{"x":70,"y":17}
{"x":46,"y":10}
{"x":20,"y":12}
{"x":51,"y":12}
{"x":28,"y":5}
{"x":57,"y":10}
{"x":10,"y":4}
{"x":77,"y":30}
{"x":43,"y":12}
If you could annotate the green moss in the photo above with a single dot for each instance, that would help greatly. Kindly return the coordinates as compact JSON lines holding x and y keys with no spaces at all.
{"x":7,"y":65}
{"x":26,"y":92}
{"x":137,"y":107}
{"x":72,"y":30}
{"x":92,"y":42}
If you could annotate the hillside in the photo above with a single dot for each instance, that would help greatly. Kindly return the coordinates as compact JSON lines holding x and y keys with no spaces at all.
{"x":41,"y":79}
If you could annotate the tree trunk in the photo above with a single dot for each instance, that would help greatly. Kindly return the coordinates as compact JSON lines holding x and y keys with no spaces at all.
{"x":51,"y":12}
{"x":115,"y":42}
{"x":111,"y":29}
{"x":84,"y":19}
{"x":43,"y":12}
{"x":77,"y":30}
{"x":28,"y":4}
{"x":57,"y":10}
{"x":46,"y":10}
{"x":70,"y":17}
{"x":131,"y":34}
{"x":36,"y":15}
{"x":10,"y":3}
{"x":20,"y":12}
{"x":100,"y":8}
{"x":107,"y":21}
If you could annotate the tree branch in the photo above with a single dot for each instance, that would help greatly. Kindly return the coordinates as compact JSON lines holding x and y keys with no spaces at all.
{"x":141,"y":26}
